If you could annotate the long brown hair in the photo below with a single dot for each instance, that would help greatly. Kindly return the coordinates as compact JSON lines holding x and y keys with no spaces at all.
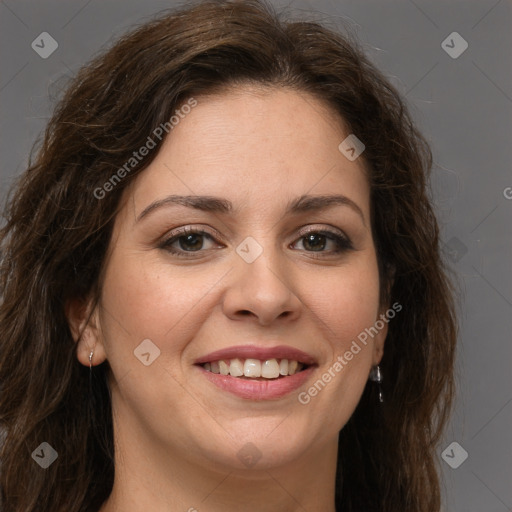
{"x":56,"y":234}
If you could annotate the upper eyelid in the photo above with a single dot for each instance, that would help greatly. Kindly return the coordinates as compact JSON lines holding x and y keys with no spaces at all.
{"x":202,"y":229}
{"x":194,"y":229}
{"x":330,"y":229}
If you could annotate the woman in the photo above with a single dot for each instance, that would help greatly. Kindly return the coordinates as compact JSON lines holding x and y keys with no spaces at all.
{"x":221,"y":282}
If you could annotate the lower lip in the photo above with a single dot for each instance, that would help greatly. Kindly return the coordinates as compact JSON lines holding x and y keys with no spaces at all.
{"x":259,"y":389}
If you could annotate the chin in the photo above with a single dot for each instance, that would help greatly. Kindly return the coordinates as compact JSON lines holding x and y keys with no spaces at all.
{"x":267,"y":443}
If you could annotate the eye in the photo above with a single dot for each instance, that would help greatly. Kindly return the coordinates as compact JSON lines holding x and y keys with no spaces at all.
{"x":188,"y":240}
{"x":324,"y":242}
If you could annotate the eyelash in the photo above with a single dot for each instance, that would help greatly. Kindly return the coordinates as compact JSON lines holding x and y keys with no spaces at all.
{"x":342,"y":242}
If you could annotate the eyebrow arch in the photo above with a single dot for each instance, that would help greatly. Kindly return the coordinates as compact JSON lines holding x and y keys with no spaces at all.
{"x":203,"y":203}
{"x":306,"y":203}
{"x":302,"y":204}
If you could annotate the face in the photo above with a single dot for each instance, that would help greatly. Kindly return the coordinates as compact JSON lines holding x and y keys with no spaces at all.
{"x":247,"y":241}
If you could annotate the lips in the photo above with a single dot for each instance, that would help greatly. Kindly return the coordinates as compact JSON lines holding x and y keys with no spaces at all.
{"x":274,"y":387}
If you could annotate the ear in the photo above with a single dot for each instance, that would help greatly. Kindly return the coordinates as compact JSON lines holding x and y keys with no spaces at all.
{"x":83,"y":320}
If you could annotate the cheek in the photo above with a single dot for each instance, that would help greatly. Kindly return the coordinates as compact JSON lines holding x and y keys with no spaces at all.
{"x":346,"y":300}
{"x":141,"y":302}
{"x":144,"y":298}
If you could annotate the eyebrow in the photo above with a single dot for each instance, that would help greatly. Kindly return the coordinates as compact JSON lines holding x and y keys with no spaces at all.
{"x":302,"y":204}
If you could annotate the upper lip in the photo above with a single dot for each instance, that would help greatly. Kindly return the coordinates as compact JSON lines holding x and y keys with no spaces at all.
{"x":261,"y":353}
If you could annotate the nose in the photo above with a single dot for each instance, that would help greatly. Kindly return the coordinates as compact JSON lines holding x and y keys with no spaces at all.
{"x":263,"y":291}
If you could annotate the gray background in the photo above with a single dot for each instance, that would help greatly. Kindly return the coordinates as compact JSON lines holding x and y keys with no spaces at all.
{"x":463,"y":106}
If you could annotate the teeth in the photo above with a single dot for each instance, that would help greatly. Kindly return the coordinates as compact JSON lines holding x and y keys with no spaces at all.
{"x":254,"y":368}
{"x":236,"y":368}
{"x":270,"y":369}
{"x":223,"y":367}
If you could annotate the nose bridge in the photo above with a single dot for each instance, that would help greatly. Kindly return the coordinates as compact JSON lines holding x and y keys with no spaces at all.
{"x":260,"y":284}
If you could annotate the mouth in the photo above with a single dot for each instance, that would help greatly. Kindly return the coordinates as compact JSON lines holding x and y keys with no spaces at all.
{"x":256,"y":369}
{"x":255,"y":373}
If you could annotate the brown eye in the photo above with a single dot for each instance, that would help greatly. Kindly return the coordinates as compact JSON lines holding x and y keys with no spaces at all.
{"x":192,"y":242}
{"x":188,"y":240}
{"x":315,"y":242}
{"x":328,"y":242}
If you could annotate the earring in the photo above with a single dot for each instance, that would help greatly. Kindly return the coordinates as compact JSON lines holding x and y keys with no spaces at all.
{"x":90,"y":359}
{"x":376,"y":376}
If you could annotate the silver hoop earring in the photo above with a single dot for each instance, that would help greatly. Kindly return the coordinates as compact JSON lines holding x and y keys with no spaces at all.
{"x":376,"y":376}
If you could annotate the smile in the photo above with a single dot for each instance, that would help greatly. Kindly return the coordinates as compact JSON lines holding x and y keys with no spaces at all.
{"x":257,"y":373}
{"x":255,"y":368}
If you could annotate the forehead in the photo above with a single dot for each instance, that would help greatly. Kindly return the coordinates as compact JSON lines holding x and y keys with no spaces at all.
{"x":255,"y":146}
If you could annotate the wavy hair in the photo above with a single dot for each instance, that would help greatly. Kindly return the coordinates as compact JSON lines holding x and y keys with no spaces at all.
{"x":54,"y":241}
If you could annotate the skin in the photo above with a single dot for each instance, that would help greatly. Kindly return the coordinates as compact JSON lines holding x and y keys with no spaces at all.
{"x":177,"y":436}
